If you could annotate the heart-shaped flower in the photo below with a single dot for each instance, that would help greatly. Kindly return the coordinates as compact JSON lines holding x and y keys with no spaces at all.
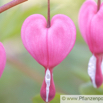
{"x":2,"y":59}
{"x":91,"y":27}
{"x":48,"y":46}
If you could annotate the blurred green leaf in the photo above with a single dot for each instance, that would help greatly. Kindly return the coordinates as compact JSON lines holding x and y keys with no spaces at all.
{"x":88,"y":89}
{"x":81,"y":74}
{"x":38,"y":99}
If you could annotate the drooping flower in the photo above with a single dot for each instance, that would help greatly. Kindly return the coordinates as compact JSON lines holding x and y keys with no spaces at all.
{"x":91,"y":27}
{"x":48,"y":46}
{"x":2,"y":59}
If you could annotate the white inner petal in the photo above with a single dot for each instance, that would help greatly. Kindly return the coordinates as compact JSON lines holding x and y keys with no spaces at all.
{"x":92,"y":69}
{"x":47,"y":81}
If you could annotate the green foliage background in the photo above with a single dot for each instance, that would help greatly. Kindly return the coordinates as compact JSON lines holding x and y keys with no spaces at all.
{"x":23,"y":76}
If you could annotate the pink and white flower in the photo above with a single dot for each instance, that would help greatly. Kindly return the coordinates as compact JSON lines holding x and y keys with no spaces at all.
{"x":48,"y":46}
{"x":91,"y":27}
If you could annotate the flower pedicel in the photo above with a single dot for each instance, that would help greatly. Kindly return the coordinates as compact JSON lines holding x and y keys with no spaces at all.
{"x":48,"y":43}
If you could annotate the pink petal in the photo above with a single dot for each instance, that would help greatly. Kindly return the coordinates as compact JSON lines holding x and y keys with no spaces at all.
{"x":98,"y":77}
{"x":51,"y":89}
{"x":61,"y":39}
{"x":2,"y":59}
{"x":34,"y":35}
{"x":86,"y":14}
{"x":97,"y":31}
{"x":95,"y":70}
{"x":48,"y":46}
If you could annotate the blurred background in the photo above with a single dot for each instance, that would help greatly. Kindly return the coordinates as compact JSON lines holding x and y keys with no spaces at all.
{"x":23,"y":76}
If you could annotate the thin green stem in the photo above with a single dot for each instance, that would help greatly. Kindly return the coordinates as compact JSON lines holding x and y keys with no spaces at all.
{"x":48,"y":21}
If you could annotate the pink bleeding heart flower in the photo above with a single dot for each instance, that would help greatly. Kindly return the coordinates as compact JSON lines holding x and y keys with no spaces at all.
{"x":2,"y":59}
{"x":48,"y":43}
{"x":48,"y":46}
{"x":91,"y":27}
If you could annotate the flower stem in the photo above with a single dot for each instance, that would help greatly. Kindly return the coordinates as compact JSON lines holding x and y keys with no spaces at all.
{"x":99,"y":3}
{"x":48,"y":22}
{"x":10,"y":5}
